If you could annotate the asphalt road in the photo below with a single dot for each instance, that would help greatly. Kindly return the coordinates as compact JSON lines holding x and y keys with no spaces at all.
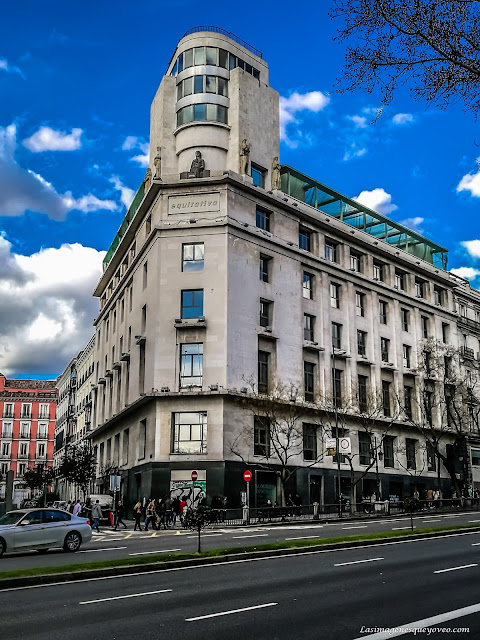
{"x":331,"y":595}
{"x":112,"y":545}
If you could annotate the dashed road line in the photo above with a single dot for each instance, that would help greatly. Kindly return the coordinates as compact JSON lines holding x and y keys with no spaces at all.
{"x":132,"y":595}
{"x":97,"y":550}
{"x":343,"y":564}
{"x":465,"y":566}
{"x":227,"y":613}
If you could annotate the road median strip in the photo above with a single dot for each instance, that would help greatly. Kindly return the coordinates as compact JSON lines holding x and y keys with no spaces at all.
{"x":124,"y":566}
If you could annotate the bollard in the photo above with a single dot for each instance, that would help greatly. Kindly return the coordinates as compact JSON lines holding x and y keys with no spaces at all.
{"x":316,"y":508}
{"x":246,"y":515}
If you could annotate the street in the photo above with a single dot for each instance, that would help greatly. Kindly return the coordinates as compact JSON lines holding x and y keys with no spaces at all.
{"x":111,"y":545}
{"x":322,"y":594}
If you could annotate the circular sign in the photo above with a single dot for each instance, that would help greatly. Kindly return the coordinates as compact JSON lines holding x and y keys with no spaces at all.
{"x":247,"y":476}
{"x":194,"y":475}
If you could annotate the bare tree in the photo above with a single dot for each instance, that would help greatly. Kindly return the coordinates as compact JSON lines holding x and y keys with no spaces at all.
{"x":432,"y":46}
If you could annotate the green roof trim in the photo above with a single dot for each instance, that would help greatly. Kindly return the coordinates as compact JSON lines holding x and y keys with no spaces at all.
{"x":327,"y":200}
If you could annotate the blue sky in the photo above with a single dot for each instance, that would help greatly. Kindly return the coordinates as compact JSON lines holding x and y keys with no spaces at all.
{"x":76,"y":83}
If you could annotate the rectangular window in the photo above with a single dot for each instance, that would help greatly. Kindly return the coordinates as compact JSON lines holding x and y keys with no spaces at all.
{"x":197,"y":84}
{"x":193,"y":256}
{"x":407,"y":350}
{"x":192,"y":303}
{"x":263,"y":362}
{"x":191,"y":365}
{"x":5,"y":448}
{"x":388,"y":455}
{"x":23,"y":449}
{"x":142,"y":439}
{"x":211,"y":53}
{"x":384,"y":349}
{"x":145,"y":277}
{"x":305,"y":239}
{"x":265,"y":268}
{"x":407,"y":402}
{"x":475,"y":457}
{"x":359,"y":303}
{"x":337,"y":387}
{"x":335,"y":296}
{"x":258,"y":175}
{"x":308,"y":327}
{"x":362,"y":343}
{"x":424,"y":321}
{"x":336,"y":335}
{"x":356,"y":262}
{"x":438,"y":294}
{"x":411,"y":453}
{"x":331,"y":251}
{"x":399,"y":280}
{"x":211,"y":84}
{"x":125,"y":446}
{"x":364,"y":447}
{"x":24,"y":429}
{"x":22,"y":467}
{"x":43,"y":411}
{"x":405,"y":319}
{"x":309,"y":441}
{"x":309,"y":381}
{"x":307,"y":285}
{"x":419,"y":288}
{"x":445,"y":332}
{"x":189,"y":432}
{"x":386,"y":398}
{"x":26,"y":411}
{"x":431,"y":458}
{"x":41,"y":450}
{"x":362,"y":393}
{"x":266,"y":308}
{"x":428,"y":404}
{"x":223,"y":91}
{"x":8,"y":410}
{"x":383,"y":311}
{"x":378,"y":271}
{"x":263,"y":219}
{"x":261,"y":436}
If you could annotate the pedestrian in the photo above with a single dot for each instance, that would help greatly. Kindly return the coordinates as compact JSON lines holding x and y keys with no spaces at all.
{"x":429,"y":498}
{"x":168,"y":511}
{"x":476,"y":496}
{"x":77,"y":509}
{"x":176,"y":509}
{"x":183,"y":506}
{"x":150,"y":516}
{"x":97,"y":515}
{"x":119,"y":515}
{"x":161,"y":514}
{"x":137,"y":514}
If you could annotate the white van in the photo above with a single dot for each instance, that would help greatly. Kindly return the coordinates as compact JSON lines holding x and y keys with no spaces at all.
{"x":105,"y":501}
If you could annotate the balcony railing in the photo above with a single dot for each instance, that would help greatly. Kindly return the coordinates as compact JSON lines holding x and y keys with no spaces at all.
{"x":42,"y":435}
{"x":7,"y":434}
{"x":24,"y":434}
{"x":467,"y":353}
{"x":22,"y":456}
{"x":467,"y":322}
{"x":26,"y":415}
{"x":8,"y":414}
{"x":5,"y":456}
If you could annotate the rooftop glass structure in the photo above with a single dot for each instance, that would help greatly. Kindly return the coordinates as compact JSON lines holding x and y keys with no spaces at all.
{"x":124,"y":226}
{"x":327,"y":200}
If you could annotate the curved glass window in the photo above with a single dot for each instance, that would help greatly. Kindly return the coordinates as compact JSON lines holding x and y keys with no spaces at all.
{"x":202,"y":84}
{"x":212,"y":56}
{"x":202,"y":113}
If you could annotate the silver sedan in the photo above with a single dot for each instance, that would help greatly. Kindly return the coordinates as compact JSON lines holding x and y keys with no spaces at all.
{"x":41,"y":529}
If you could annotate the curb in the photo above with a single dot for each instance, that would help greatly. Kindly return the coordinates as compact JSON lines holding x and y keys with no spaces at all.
{"x":56,"y":578}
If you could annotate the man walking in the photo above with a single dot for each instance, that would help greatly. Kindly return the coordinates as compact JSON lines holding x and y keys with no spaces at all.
{"x":96,"y":516}
{"x":119,"y":515}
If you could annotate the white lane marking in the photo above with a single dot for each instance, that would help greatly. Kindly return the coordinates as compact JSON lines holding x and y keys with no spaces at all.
{"x":343,"y":564}
{"x":255,"y":535}
{"x":361,"y":526}
{"x":465,"y":566}
{"x":409,"y":627}
{"x":475,"y":544}
{"x":227,"y":613}
{"x":301,"y":538}
{"x":242,"y":561}
{"x":474,"y":520}
{"x":144,"y":553}
{"x":425,"y":521}
{"x":401,"y":528}
{"x":97,"y":550}
{"x":132,"y":595}
{"x":204,"y":535}
{"x":456,"y":516}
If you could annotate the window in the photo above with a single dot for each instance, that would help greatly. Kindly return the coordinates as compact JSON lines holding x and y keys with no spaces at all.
{"x":399,"y":280}
{"x":407,"y":350}
{"x":337,"y":387}
{"x":8,"y":410}
{"x":438,"y":294}
{"x":364,"y":447}
{"x":142,"y":439}
{"x":431,"y":458}
{"x":145,"y":278}
{"x":309,"y":381}
{"x":5,"y":448}
{"x":200,"y":112}
{"x":22,"y":467}
{"x":263,"y":219}
{"x":463,"y":311}
{"x":265,"y":268}
{"x":428,"y":403}
{"x":7,"y":429}
{"x":445,"y":332}
{"x":475,"y":458}
{"x":362,"y":343}
{"x":336,"y":335}
{"x":23,"y":449}
{"x":24,"y":430}
{"x":143,"y":325}
{"x":125,"y":446}
{"x":405,"y":319}
{"x":356,"y":262}
{"x":419,"y":288}
{"x":189,"y":432}
{"x":307,"y":285}
{"x":309,"y":441}
{"x":122,"y":310}
{"x":26,"y":411}
{"x":263,"y":362}
{"x":388,"y":455}
{"x":384,"y":349}
{"x":331,"y":251}
{"x":191,"y":364}
{"x":308,"y":327}
{"x":148,"y":225}
{"x":305,"y":239}
{"x":383,"y":311}
{"x":43,"y":411}
{"x":130,"y":298}
{"x":261,"y":437}
{"x":42,"y":431}
{"x":362,"y":393}
{"x":386,"y":398}
{"x":266,"y":313}
{"x":359,"y":303}
{"x":192,"y":303}
{"x":41,"y":450}
{"x":424,"y":323}
{"x":193,"y":256}
{"x":378,"y":271}
{"x":335,"y":296}
{"x":258,"y":175}
{"x":411,"y":453}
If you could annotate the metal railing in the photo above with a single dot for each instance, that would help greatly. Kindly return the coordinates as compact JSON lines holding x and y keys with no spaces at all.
{"x":229,"y":34}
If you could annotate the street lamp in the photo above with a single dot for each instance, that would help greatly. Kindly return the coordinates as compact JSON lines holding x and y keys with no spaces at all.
{"x":337,"y":437}
{"x":378,"y":456}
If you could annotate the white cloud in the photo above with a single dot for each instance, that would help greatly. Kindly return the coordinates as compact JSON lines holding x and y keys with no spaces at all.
{"x":469,"y":273}
{"x":9,"y":68}
{"x":24,"y":190}
{"x":360,"y":122}
{"x":472,"y":247}
{"x":313,"y":101}
{"x":126,"y":194}
{"x":403,"y":118}
{"x":133,"y":142}
{"x":47,"y":306}
{"x":413,"y":223}
{"x":354,"y":151}
{"x":48,"y":139}
{"x":378,"y":200}
{"x":470,"y":182}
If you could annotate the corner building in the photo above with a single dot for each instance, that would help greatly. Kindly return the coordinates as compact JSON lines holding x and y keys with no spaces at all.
{"x":229,"y":268}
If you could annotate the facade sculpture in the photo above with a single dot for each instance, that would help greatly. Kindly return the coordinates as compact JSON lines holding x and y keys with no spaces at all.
{"x":276,"y":181}
{"x":158,"y":163}
{"x":197,"y":167}
{"x":244,"y":156}
{"x":147,"y":181}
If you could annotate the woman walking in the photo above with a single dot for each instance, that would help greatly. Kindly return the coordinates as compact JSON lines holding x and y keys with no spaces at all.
{"x":137,"y":514}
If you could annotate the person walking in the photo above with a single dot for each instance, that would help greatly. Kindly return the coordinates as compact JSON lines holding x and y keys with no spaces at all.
{"x":150,"y":515}
{"x":137,"y":514}
{"x":77,"y":509}
{"x":168,"y":511}
{"x":183,"y":506}
{"x":176,"y":509}
{"x":97,"y":515}
{"x":120,"y":514}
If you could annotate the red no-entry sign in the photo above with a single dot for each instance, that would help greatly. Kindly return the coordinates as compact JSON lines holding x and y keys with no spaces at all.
{"x":194,"y":475}
{"x":247,"y":476}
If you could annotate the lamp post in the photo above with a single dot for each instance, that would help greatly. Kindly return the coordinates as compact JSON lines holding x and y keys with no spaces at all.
{"x":337,"y":437}
{"x":378,"y":456}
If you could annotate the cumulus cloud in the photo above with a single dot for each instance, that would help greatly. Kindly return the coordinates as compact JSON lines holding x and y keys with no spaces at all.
{"x":313,"y":101}
{"x":470,"y":182}
{"x":132,"y":143}
{"x":24,"y":190}
{"x":378,"y":200}
{"x":9,"y":68}
{"x":354,"y":151}
{"x":414,"y":223}
{"x":360,"y":122}
{"x":48,"y":139}
{"x":469,"y":273}
{"x":472,"y":247}
{"x":402,"y":119}
{"x":126,"y":194}
{"x":47,"y":306}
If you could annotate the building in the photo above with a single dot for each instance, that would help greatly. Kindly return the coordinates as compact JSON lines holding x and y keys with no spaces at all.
{"x":28,"y":410}
{"x":229,"y":270}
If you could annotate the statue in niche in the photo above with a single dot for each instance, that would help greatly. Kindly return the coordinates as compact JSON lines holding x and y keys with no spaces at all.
{"x":147,"y":181}
{"x":276,"y":181}
{"x":158,"y":163}
{"x":197,"y":167}
{"x":244,"y":156}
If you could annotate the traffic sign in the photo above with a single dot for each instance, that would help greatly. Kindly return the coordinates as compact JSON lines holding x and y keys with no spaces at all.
{"x":194,"y":475}
{"x":247,"y":476}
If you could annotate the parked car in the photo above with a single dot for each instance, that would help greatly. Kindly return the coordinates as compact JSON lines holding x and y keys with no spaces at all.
{"x":41,"y":529}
